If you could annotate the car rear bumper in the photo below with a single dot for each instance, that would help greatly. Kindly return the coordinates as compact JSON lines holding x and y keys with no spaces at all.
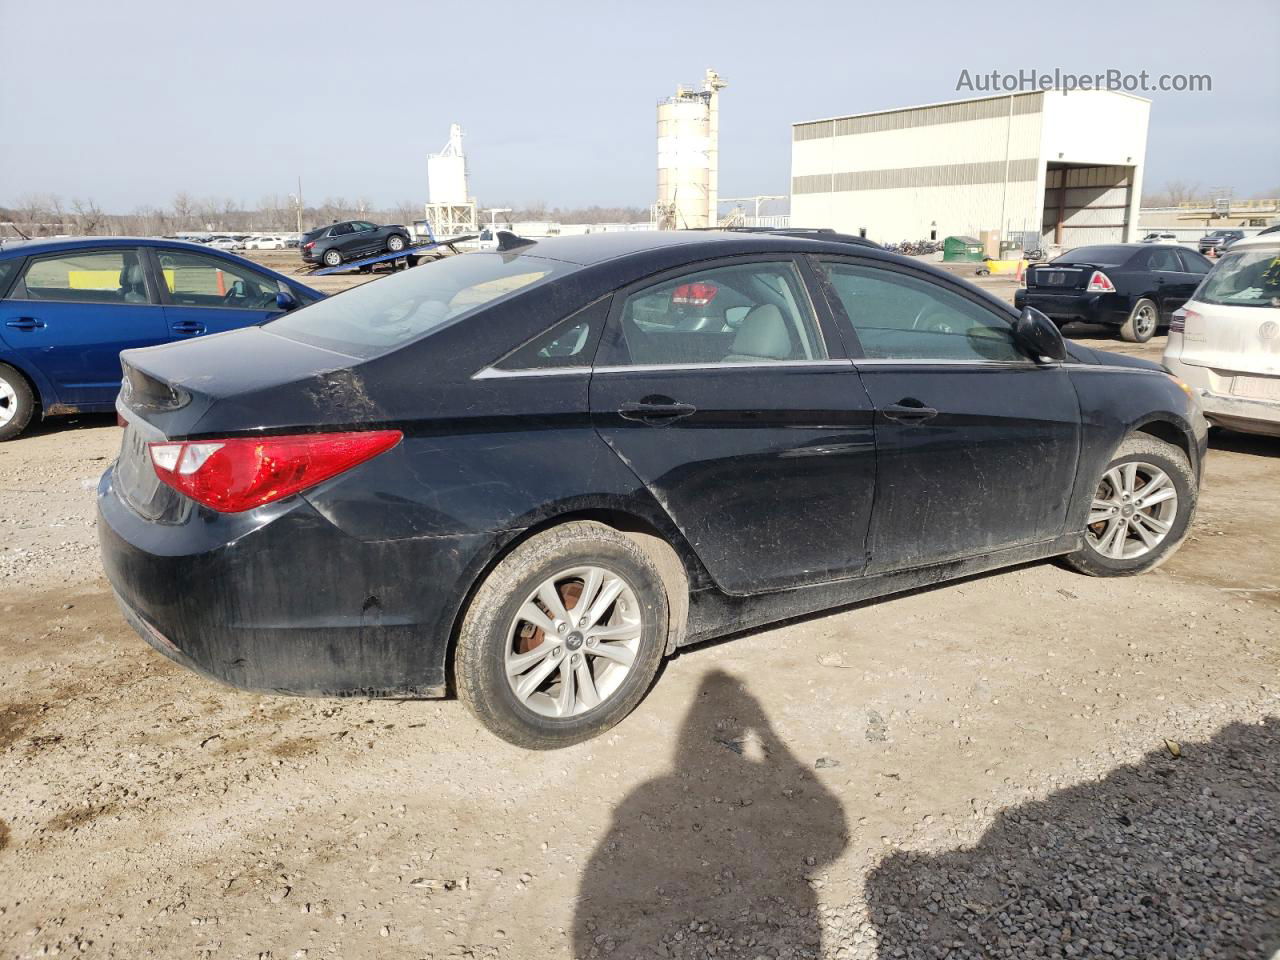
{"x":1107,"y":308}
{"x":1223,"y":409}
{"x":283,"y":601}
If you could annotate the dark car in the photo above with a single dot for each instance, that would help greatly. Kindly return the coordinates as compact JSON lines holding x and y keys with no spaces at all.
{"x":1218,"y":241}
{"x":1133,"y":286}
{"x":508,"y":473}
{"x":350,"y":240}
{"x":69,"y":306}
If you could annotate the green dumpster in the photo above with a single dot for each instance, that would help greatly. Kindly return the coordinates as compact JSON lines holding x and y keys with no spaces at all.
{"x":961,"y":250}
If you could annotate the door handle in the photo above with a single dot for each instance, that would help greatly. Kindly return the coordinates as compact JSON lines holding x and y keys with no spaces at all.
{"x":909,"y":411}
{"x":24,"y":323}
{"x":655,"y":410}
{"x":187,"y":326}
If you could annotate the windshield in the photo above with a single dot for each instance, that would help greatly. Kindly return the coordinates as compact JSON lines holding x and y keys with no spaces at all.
{"x":1243,"y":278}
{"x":384,"y":314}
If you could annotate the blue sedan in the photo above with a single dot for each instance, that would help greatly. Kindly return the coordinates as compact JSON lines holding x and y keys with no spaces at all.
{"x":69,"y":306}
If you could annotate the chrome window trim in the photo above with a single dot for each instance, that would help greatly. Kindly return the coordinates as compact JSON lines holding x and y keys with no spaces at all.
{"x":492,"y":373}
{"x":905,"y":361}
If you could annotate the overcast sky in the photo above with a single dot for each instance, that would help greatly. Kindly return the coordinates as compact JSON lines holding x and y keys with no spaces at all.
{"x":129,"y":102}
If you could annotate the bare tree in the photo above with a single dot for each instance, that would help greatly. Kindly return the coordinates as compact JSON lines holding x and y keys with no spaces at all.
{"x":89,"y":219}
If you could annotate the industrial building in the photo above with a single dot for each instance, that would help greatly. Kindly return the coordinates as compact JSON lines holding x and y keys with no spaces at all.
{"x":688,"y":156}
{"x":1042,"y":168}
{"x":450,"y":208}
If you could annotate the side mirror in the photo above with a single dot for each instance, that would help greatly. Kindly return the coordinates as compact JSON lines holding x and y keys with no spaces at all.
{"x":1039,"y":336}
{"x":285,"y":299}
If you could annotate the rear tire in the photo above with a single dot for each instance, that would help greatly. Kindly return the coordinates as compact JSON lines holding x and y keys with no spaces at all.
{"x":332,"y":258}
{"x":395,"y":243}
{"x":1116,"y":544}
{"x":17,"y":402}
{"x":1142,"y":322}
{"x":547,"y":703}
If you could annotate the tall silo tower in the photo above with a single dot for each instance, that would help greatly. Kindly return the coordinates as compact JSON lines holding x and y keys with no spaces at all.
{"x":688,"y":156}
{"x":450,"y":209}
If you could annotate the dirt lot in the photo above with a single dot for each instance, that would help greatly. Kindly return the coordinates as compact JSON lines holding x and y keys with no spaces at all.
{"x":1023,"y":764}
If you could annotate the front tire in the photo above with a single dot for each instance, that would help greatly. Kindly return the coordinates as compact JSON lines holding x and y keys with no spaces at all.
{"x":563,"y":637}
{"x":1142,"y":322}
{"x":1140,"y":510}
{"x":332,"y":258}
{"x":17,"y":403}
{"x":395,"y":243}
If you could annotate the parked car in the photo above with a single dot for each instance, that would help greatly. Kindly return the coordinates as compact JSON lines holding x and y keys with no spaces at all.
{"x":1158,"y":237}
{"x":509,"y":469}
{"x":68,"y":307}
{"x":1132,"y":286}
{"x":350,"y":240}
{"x":265,"y":243}
{"x":1219,"y":240}
{"x":1226,"y":341}
{"x":225,"y":243}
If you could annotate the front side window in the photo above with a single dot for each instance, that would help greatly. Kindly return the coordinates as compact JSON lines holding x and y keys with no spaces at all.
{"x":195,"y":280}
{"x":86,"y":276}
{"x":1243,"y":278}
{"x":373,"y":318}
{"x":743,"y":313}
{"x":361,"y":225}
{"x":901,"y":317}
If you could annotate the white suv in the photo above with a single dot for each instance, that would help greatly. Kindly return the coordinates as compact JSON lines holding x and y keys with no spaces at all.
{"x":1225,"y":341}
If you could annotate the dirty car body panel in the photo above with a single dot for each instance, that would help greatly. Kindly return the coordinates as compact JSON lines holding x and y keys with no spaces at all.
{"x":787,"y":481}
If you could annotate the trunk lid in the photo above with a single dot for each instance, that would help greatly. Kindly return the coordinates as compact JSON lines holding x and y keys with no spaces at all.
{"x":236,"y":382}
{"x":1235,"y":340}
{"x":1059,"y":276}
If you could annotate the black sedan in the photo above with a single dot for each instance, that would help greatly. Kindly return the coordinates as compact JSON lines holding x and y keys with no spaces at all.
{"x":525,"y":476}
{"x":350,"y":240}
{"x":1133,"y":286}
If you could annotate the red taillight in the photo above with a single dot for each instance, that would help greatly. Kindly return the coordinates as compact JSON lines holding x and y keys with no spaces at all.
{"x":245,"y":472}
{"x":309,"y":245}
{"x":1101,"y":283}
{"x":694,"y":294}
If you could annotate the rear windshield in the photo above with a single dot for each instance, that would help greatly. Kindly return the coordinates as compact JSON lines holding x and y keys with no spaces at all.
{"x":1103,"y":256}
{"x":1243,"y":278}
{"x":384,"y":314}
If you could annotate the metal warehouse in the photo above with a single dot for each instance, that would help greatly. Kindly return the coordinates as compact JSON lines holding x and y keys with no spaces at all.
{"x":1040,"y":167}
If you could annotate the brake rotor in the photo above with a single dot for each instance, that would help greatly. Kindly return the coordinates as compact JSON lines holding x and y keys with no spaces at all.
{"x":531,"y":637}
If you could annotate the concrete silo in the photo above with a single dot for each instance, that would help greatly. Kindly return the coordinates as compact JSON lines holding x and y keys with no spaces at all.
{"x":688,"y":156}
{"x":450,"y":209}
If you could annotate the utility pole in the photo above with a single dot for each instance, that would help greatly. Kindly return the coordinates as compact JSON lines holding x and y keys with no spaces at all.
{"x":299,"y":203}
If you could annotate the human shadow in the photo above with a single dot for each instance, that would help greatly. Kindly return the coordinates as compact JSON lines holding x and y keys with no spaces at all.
{"x":719,"y":857}
{"x":1170,"y":857}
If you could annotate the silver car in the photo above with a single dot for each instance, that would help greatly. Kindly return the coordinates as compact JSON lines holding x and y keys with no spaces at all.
{"x":1225,"y":341}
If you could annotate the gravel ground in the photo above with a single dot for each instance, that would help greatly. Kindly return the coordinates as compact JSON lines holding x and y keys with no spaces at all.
{"x":1030,"y":763}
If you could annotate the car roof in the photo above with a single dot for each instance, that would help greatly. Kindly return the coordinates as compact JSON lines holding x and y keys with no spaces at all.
{"x":54,"y":244}
{"x":594,"y":248}
{"x":1257,"y":240}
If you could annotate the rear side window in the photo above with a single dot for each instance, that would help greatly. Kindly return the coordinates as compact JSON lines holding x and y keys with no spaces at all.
{"x":1164,"y":260}
{"x":743,"y":313}
{"x":1243,"y":278}
{"x":901,"y":317}
{"x":86,"y":276}
{"x":570,"y":343}
{"x":379,"y":316}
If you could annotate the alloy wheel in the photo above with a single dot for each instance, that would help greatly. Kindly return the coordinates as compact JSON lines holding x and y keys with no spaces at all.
{"x":1133,"y":510}
{"x":1144,"y":324}
{"x":573,"y":641}
{"x":8,"y":402}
